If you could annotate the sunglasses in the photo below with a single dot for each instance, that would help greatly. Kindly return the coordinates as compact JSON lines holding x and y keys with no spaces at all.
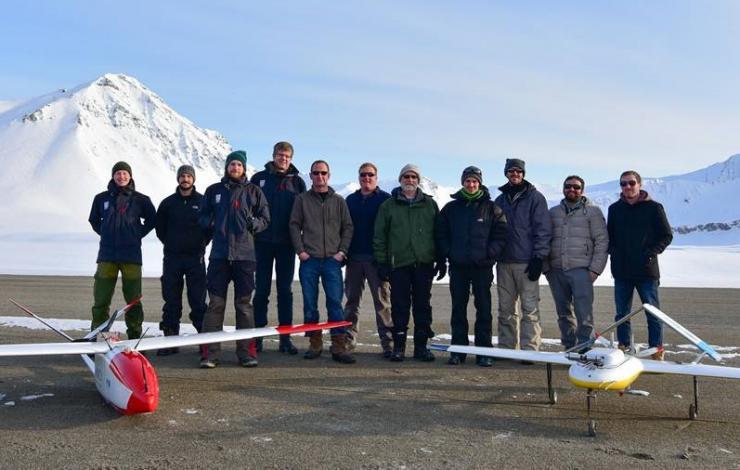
{"x":317,"y":173}
{"x":625,"y":183}
{"x":577,"y":187}
{"x":410,"y":176}
{"x":514,"y":170}
{"x":367,"y":175}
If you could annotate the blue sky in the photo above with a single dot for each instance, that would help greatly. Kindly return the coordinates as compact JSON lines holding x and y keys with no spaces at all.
{"x":571,"y":87}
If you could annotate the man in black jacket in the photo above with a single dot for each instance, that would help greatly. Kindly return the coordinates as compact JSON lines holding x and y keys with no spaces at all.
{"x":638,"y":232}
{"x":471,"y":234}
{"x":281,"y":183}
{"x":116,"y":215}
{"x":184,"y":247}
{"x":234,"y":210}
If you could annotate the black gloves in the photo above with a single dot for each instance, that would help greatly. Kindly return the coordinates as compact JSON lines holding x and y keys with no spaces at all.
{"x":534,"y":269}
{"x":440,"y":270}
{"x":384,"y":272}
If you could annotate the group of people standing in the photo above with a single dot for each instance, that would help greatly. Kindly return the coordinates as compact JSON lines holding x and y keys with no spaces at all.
{"x":395,"y":243}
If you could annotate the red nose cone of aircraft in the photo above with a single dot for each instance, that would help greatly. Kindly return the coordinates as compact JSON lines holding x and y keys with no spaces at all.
{"x":138,"y":375}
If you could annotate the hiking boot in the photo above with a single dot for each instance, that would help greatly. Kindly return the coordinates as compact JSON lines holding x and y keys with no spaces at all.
{"x":316,"y":345}
{"x":484,"y":361}
{"x":399,"y":347}
{"x":286,"y":345}
{"x":351,"y":339}
{"x":387,"y":353}
{"x":168,"y":351}
{"x":423,"y":355}
{"x":206,"y":363}
{"x":249,"y":361}
{"x":338,"y":349}
{"x":456,"y":359}
{"x":658,"y":355}
{"x":397,"y":356}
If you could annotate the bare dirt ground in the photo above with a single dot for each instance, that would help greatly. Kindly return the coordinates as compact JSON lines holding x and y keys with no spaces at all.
{"x":293,"y":413}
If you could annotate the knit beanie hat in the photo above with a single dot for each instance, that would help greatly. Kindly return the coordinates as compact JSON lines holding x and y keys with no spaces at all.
{"x":472,"y":172}
{"x":186,"y":169}
{"x":514,"y":163}
{"x":412,"y":168}
{"x":238,"y":155}
{"x":121,"y":166}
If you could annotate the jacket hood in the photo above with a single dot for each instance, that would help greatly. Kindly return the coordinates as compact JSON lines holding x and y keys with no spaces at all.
{"x":227,"y":181}
{"x":644,"y":196}
{"x":114,"y":188}
{"x":292,"y":170}
{"x":397,"y":193}
{"x":526,"y":186}
{"x":582,"y":202}
{"x":486,"y":196}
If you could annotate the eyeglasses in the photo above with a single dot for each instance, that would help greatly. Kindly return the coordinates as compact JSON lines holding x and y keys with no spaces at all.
{"x":577,"y":187}
{"x":367,"y":175}
{"x":410,"y":176}
{"x":514,"y":170}
{"x":629,"y":182}
{"x":317,"y":173}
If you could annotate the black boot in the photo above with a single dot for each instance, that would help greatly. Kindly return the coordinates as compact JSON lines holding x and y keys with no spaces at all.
{"x":421,"y":353}
{"x":286,"y":345}
{"x":399,"y":347}
{"x":168,"y":351}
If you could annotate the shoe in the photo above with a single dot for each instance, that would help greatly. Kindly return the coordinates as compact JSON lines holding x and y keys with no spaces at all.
{"x":387,"y":353}
{"x":207,"y":363}
{"x":259,"y":344}
{"x":658,"y":355}
{"x":339,"y":351}
{"x":423,"y":355}
{"x":484,"y":361}
{"x":286,"y":346}
{"x":454,"y":360}
{"x":396,"y":356}
{"x":249,"y":362}
{"x":167,"y":351}
{"x":316,"y":345}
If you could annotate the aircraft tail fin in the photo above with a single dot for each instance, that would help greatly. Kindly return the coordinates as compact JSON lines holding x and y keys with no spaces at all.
{"x":108,"y":324}
{"x":678,"y":328}
{"x":47,"y":324}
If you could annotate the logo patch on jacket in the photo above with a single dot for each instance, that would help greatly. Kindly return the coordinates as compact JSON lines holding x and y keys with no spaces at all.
{"x":195,"y":207}
{"x":262,"y":183}
{"x":218,"y":198}
{"x":106,"y":204}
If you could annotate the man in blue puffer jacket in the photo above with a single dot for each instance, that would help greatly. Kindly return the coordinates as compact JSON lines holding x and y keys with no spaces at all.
{"x":234,"y":210}
{"x":116,"y":215}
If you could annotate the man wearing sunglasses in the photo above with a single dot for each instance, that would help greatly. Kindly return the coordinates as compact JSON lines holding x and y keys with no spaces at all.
{"x":638,"y":233}
{"x":518,"y":272}
{"x":281,"y":183}
{"x":321,"y":231}
{"x":363,"y":208}
{"x":404,"y":248}
{"x":578,"y":253}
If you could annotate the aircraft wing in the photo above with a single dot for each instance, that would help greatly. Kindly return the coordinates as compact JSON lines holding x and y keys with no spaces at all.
{"x":701,"y":370}
{"x":675,"y":326}
{"x":515,"y":354}
{"x":147,"y":344}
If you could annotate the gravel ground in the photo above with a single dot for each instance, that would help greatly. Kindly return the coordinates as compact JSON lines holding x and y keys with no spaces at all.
{"x":293,"y":413}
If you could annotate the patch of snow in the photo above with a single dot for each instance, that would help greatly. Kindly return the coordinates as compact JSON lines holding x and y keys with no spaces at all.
{"x":190,"y":411}
{"x":9,"y":403}
{"x":36,"y":397}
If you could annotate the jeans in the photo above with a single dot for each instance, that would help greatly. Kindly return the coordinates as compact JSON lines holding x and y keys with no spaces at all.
{"x":329,"y":271}
{"x":283,"y":256}
{"x":573,"y":293}
{"x":648,"y":292}
{"x":174,"y":269}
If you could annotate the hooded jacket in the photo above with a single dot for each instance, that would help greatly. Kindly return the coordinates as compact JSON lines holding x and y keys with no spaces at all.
{"x":234,"y":211}
{"x":404,"y":230}
{"x":280,"y":190}
{"x":471,"y":232}
{"x":320,"y":226}
{"x":178,"y":227}
{"x":530,"y":229}
{"x":579,"y":237}
{"x":116,"y":215}
{"x":638,"y":233}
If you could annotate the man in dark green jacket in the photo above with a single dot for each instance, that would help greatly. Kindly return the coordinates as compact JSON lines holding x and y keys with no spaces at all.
{"x":404,"y":249}
{"x":116,"y":215}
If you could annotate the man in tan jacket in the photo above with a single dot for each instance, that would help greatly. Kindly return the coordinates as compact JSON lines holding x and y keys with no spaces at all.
{"x":578,"y":253}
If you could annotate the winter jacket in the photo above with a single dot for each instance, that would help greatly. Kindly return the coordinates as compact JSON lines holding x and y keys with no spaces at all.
{"x":280,"y":190}
{"x":177,"y":225}
{"x":530,"y":229}
{"x":579,"y":237}
{"x":638,"y":233}
{"x":116,"y":215}
{"x":404,"y":230}
{"x":320,"y":226}
{"x":234,"y":211}
{"x":471,"y":232}
{"x":364,"y":210}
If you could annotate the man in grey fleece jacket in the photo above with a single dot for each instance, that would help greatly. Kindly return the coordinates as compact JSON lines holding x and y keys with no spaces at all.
{"x":321,"y":232}
{"x":578,"y":253}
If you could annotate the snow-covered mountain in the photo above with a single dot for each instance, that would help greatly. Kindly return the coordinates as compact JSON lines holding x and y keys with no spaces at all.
{"x":57,"y":151}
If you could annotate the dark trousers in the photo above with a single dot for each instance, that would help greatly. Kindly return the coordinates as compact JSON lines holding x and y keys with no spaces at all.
{"x":283,"y":257}
{"x":480,"y":279}
{"x":220,"y":274}
{"x":193,"y":270}
{"x":411,"y":287}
